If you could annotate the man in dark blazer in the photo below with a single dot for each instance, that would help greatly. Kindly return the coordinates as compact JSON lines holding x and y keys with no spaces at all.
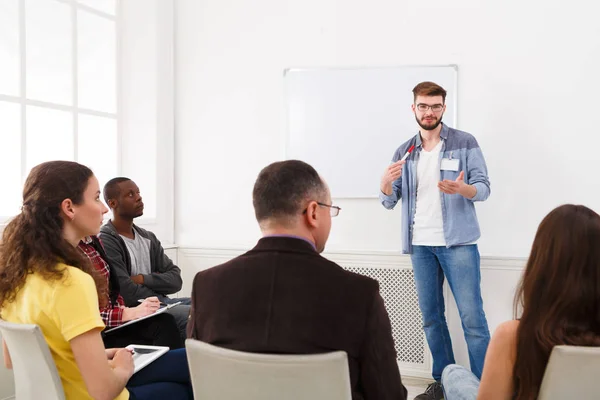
{"x":284,"y":297}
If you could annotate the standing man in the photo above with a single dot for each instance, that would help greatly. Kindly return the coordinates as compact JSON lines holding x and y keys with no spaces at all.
{"x":139,"y":260}
{"x":438,"y":184}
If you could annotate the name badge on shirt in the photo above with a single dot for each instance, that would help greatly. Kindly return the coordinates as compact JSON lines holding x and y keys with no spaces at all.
{"x":449,"y":164}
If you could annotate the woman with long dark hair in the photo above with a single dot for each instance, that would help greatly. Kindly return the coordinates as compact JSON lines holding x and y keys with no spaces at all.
{"x":558,"y":300}
{"x":45,"y":280}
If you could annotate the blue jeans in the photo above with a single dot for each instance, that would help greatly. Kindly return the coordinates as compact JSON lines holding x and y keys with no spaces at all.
{"x":459,"y":383}
{"x":185,"y":301}
{"x":460,"y":265}
{"x":181,"y":313}
{"x":168,"y":377}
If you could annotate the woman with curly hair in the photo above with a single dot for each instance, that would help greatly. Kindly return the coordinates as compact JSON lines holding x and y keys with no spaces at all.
{"x":45,"y":280}
{"x":559,"y":296}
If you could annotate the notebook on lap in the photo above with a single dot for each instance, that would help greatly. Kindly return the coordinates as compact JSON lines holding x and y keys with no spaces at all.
{"x":133,"y":321}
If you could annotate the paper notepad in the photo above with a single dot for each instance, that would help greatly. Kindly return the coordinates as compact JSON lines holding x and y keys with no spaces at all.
{"x":133,"y":321}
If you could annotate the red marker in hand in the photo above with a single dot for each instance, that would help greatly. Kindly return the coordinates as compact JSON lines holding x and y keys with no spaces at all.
{"x":408,"y":152}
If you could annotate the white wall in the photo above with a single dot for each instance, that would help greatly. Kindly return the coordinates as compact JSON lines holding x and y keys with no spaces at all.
{"x":146,"y":86}
{"x":528,"y":67}
{"x":524,"y":67}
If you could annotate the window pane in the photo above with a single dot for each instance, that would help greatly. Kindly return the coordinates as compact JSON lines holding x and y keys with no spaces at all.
{"x":49,"y":51}
{"x":98,"y":146}
{"x":10,"y":162}
{"x":107,"y":6}
{"x":49,"y":136}
{"x":9,"y":47}
{"x":96,"y":50}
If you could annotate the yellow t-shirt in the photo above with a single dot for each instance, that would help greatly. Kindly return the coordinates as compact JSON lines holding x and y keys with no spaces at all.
{"x":63,"y":309}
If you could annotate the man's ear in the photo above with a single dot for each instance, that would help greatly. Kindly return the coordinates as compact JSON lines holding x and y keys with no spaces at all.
{"x":311,"y":214}
{"x":112,"y":204}
{"x":67,"y":208}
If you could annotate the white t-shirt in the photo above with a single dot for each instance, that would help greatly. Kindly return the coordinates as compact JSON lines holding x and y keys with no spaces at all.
{"x":428,"y":228}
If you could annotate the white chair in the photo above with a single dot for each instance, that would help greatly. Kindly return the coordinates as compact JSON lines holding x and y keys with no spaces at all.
{"x":572,"y":373}
{"x":34,"y":370}
{"x":7,"y":379}
{"x":219,"y":373}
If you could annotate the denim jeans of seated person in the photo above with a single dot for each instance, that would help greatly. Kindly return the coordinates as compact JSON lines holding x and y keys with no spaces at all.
{"x":168,"y":377}
{"x":160,"y":330}
{"x":461,"y":266}
{"x":180,"y":312}
{"x":459,"y":383}
{"x":185,"y":301}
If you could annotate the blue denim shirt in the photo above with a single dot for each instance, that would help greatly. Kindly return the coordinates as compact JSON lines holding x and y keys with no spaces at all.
{"x":458,"y":213}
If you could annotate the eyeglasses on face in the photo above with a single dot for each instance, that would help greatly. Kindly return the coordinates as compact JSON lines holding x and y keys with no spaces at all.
{"x":435,"y":107}
{"x":334,"y":211}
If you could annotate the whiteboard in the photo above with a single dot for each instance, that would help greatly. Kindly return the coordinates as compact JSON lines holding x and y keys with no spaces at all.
{"x":347,"y":123}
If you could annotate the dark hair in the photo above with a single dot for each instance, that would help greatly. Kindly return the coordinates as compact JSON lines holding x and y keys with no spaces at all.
{"x":429,"y":89}
{"x":559,"y":293}
{"x":282,"y":187}
{"x":111,"y":189}
{"x":33,"y":240}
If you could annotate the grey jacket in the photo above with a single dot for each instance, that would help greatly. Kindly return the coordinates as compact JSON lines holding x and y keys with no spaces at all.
{"x":164,"y":279}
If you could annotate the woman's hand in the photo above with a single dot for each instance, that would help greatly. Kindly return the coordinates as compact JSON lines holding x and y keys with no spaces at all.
{"x":146,"y":307}
{"x":110,"y":353}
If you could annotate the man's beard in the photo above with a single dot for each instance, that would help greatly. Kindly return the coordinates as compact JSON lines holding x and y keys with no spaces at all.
{"x":429,"y":127}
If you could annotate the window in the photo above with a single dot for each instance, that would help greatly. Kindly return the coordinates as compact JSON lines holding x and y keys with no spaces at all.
{"x":58,"y":89}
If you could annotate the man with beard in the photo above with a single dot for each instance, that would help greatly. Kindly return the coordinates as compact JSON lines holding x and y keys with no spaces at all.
{"x":438,"y":182}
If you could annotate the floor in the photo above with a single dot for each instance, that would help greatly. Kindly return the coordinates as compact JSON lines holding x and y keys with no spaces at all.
{"x":415,"y":386}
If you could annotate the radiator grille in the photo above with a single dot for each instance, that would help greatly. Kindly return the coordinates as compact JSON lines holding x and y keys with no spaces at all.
{"x":397,"y":287}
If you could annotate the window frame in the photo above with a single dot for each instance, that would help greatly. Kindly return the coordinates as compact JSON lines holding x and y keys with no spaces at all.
{"x":74,"y":110}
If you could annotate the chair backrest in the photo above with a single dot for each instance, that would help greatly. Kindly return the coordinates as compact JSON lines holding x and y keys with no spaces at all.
{"x":572,"y":373}
{"x":219,"y":373}
{"x":34,"y":370}
{"x":7,"y":380}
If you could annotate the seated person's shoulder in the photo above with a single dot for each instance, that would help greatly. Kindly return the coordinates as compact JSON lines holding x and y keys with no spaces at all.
{"x":351,"y":279}
{"x":74,"y":282}
{"x":508,"y":327}
{"x":207,"y":275}
{"x":506,"y":332}
{"x":145,"y":233}
{"x":79,"y":277}
{"x":330,"y":273}
{"x":72,"y":274}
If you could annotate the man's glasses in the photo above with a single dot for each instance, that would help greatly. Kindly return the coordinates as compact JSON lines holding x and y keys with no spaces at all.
{"x":435,"y":108}
{"x":334,"y":211}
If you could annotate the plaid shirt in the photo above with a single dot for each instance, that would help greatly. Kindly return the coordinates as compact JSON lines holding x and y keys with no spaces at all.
{"x":112,"y":315}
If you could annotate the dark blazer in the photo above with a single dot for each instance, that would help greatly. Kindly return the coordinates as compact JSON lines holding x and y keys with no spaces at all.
{"x":283,"y":297}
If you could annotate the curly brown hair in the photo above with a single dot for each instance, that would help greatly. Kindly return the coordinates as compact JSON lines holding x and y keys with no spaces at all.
{"x":33,"y":241}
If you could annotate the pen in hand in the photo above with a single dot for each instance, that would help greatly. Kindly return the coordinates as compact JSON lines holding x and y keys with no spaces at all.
{"x":161,"y":303}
